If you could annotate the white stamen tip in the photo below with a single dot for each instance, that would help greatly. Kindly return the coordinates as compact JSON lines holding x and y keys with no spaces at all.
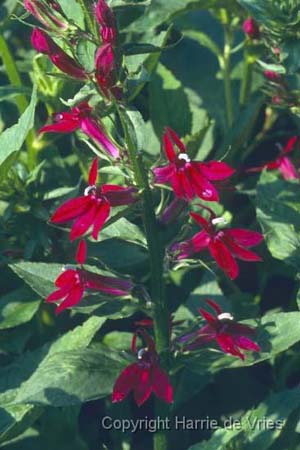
{"x":141,"y":352}
{"x":89,"y":189}
{"x":218,"y":220}
{"x":184,"y":157}
{"x":223,"y":316}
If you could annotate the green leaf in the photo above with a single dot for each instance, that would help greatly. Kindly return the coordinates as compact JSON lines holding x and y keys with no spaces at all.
{"x":257,"y":434}
{"x":125,"y":230}
{"x":8,"y":92}
{"x":15,"y":419}
{"x":17,"y":307}
{"x":85,"y":52}
{"x":73,"y":11}
{"x":13,"y":375}
{"x":166,"y":93}
{"x":204,"y":40}
{"x":278,"y":212}
{"x":70,"y":378}
{"x":12,"y":139}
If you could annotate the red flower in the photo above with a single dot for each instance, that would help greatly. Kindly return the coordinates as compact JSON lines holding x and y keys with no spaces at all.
{"x":45,"y":14}
{"x":189,"y":178}
{"x":272,"y":76}
{"x":105,"y":68}
{"x":92,"y":210}
{"x":282,"y":163}
{"x":43,"y":43}
{"x":106,"y":19}
{"x":144,"y":376}
{"x":251,"y":28}
{"x":80,"y":117}
{"x":225,"y":245}
{"x":72,"y":284}
{"x":231,"y":336}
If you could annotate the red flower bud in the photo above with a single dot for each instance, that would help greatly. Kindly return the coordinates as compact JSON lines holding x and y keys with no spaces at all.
{"x":47,"y":13}
{"x":251,"y":28}
{"x":105,"y":68}
{"x":272,"y":76}
{"x":106,"y":19}
{"x":43,"y":43}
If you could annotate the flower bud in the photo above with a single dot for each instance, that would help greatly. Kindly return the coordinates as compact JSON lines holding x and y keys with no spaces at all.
{"x":251,"y":28}
{"x":105,"y":68}
{"x":272,"y":76}
{"x":50,"y":14}
{"x":106,"y":19}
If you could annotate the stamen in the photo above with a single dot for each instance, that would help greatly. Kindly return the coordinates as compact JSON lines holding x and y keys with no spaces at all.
{"x":141,"y":352}
{"x":89,"y":189}
{"x":219,"y":220}
{"x":223,"y":316}
{"x":279,"y":146}
{"x":184,"y":157}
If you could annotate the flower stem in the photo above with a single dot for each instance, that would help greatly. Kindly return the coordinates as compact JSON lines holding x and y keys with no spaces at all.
{"x":226,"y":67}
{"x":21,"y":101}
{"x":156,"y":257}
{"x":246,"y":81}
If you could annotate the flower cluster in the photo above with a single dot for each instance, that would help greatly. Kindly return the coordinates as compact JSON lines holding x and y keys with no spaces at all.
{"x":52,"y":17}
{"x":88,"y":213}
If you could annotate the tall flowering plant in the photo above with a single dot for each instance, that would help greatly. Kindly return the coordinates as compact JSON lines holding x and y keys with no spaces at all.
{"x":159,"y":220}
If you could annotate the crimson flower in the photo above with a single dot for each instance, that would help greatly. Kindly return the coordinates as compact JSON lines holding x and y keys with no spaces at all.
{"x":80,"y":117}
{"x":93,"y":208}
{"x":73,"y":282}
{"x":272,"y":76}
{"x":251,"y":28}
{"x":282,"y":162}
{"x":144,"y":376}
{"x":43,"y":43}
{"x":231,"y":336}
{"x":189,"y":178}
{"x":106,"y":19}
{"x":105,"y":68}
{"x":46,"y":13}
{"x":225,"y":245}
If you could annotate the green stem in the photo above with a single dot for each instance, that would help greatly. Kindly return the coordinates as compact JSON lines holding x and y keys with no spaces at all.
{"x":226,"y":65}
{"x":156,"y":256}
{"x":89,"y":18}
{"x":246,"y":81}
{"x":21,"y":101}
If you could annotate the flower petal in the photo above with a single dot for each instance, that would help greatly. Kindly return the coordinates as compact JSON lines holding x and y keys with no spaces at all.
{"x":290,"y":144}
{"x":168,"y":147}
{"x":176,"y":139}
{"x":246,"y":238}
{"x":164,"y":174}
{"x":81,"y":252}
{"x":71,"y":209}
{"x":203,"y":187}
{"x":241,"y":252}
{"x":223,"y":258}
{"x":74,"y":297}
{"x":125,"y":383}
{"x":102,"y":214}
{"x":287,"y":169}
{"x":227,"y":344}
{"x":91,"y":128}
{"x":67,"y":278}
{"x":246,"y":343}
{"x":142,"y":388}
{"x":118,"y":195}
{"x":83,"y":222}
{"x":215,"y":170}
{"x":161,"y":385}
{"x":93,"y":173}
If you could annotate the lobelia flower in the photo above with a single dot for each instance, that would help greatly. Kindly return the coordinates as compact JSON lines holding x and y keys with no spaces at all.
{"x":106,"y":68}
{"x":106,"y":19}
{"x":43,"y":43}
{"x":231,"y":336}
{"x":80,"y":117}
{"x":46,"y":13}
{"x":144,"y":376}
{"x":73,"y":283}
{"x":282,"y":162}
{"x":272,"y":76}
{"x":225,"y":245}
{"x":189,"y":178}
{"x":251,"y":28}
{"x":93,"y":208}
